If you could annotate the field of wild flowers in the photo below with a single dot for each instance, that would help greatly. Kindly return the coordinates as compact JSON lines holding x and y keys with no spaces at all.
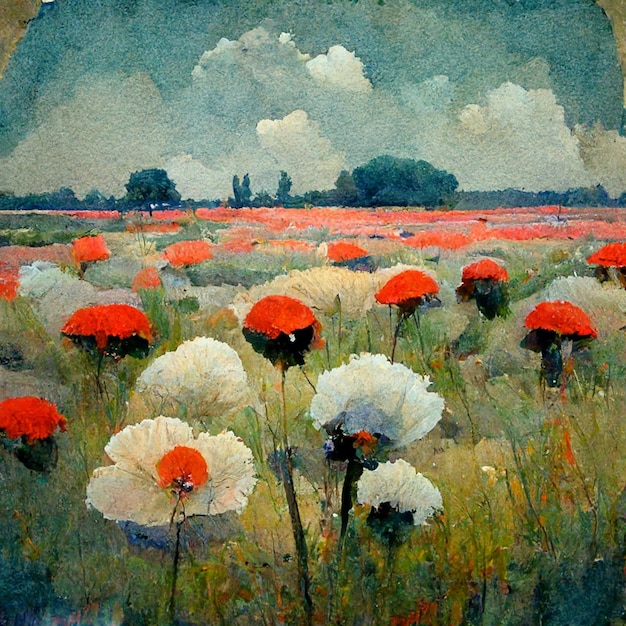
{"x":313,"y":417}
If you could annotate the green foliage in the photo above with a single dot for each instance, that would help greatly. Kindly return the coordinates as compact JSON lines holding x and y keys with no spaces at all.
{"x":391,"y":181}
{"x":150,"y":186}
{"x":284,"y":187}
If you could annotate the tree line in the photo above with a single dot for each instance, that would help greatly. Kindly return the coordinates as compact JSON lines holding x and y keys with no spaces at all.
{"x":382,"y":181}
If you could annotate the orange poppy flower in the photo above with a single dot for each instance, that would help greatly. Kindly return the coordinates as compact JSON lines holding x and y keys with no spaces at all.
{"x":8,"y":284}
{"x":30,"y":417}
{"x":88,"y":249}
{"x":562,"y":318}
{"x":183,"y":469}
{"x":611,"y":255}
{"x":147,"y":278}
{"x":339,"y":251}
{"x":408,"y":290}
{"x":282,"y":329}
{"x":486,"y":282}
{"x":187,"y":252}
{"x":550,"y":323}
{"x":486,"y":269}
{"x":113,"y":329}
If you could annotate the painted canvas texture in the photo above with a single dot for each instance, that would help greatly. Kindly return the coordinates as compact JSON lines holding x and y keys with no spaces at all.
{"x":312,"y":312}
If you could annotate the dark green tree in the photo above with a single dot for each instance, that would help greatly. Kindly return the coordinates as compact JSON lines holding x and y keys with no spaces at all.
{"x":284,"y":187}
{"x":148,"y":187}
{"x":237,"y":200}
{"x":346,"y":192}
{"x":246,"y":192}
{"x":389,"y":181}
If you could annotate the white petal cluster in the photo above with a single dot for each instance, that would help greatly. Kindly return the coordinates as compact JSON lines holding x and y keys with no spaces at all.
{"x":129,"y":490}
{"x":204,"y":376}
{"x":319,"y":288}
{"x":372,"y":394}
{"x":405,"y":489}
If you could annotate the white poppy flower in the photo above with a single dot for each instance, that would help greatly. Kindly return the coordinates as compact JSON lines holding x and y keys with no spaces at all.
{"x":371,"y":394}
{"x":319,"y":288}
{"x":162,"y":473}
{"x":402,"y":487}
{"x":203,"y":375}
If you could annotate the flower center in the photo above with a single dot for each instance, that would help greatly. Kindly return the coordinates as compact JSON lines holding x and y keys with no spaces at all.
{"x":182,"y":469}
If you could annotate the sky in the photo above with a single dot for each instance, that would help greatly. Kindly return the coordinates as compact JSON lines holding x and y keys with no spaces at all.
{"x":522,"y":94}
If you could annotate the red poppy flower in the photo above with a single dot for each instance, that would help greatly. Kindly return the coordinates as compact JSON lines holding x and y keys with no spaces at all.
{"x":282,"y":329}
{"x":8,"y":284}
{"x":408,"y":290}
{"x":112,"y":329}
{"x":611,"y":255}
{"x":183,"y":469}
{"x":147,"y":278}
{"x":561,"y":317}
{"x":88,"y":249}
{"x":30,"y":417}
{"x":485,"y":281}
{"x":483,"y":270}
{"x":339,"y":251}
{"x":187,"y":252}
{"x":550,"y":323}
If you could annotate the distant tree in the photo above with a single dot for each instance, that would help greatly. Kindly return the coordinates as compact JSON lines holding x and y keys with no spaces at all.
{"x":388,"y":180}
{"x":284,"y":187}
{"x":263,"y":199}
{"x":237,"y":200}
{"x":150,"y":187}
{"x":346,"y":192}
{"x":246,"y":192}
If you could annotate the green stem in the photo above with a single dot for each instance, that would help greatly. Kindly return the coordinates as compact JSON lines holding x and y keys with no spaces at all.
{"x":172,"y":604}
{"x":286,"y":465}
{"x":353,"y":473}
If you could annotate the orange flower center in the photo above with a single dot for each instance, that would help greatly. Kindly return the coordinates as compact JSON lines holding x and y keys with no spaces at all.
{"x":182,"y":469}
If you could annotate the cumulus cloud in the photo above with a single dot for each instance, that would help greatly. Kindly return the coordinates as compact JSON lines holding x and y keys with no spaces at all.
{"x":260,"y":104}
{"x":519,"y":138}
{"x":339,"y":68}
{"x":296,"y":145}
{"x":108,"y":129}
{"x":604,"y":154}
{"x":194,"y":180}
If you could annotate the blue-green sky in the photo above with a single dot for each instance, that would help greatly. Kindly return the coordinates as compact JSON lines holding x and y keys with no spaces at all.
{"x":502,"y":93}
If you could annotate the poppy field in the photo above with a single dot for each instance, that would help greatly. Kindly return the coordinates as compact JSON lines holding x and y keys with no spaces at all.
{"x":313,"y":416}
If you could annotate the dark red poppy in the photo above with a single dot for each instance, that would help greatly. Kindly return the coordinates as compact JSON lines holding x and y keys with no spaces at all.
{"x":187,"y":253}
{"x":408,"y":290}
{"x":182,"y":469}
{"x":110,"y":329}
{"x":147,"y":278}
{"x":610,"y":255}
{"x":486,"y":282}
{"x":30,"y":417}
{"x":282,"y":329}
{"x":89,"y":249}
{"x":550,"y":323}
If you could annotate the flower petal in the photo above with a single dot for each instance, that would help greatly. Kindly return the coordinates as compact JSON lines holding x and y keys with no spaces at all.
{"x":120,"y":494}
{"x":231,"y":475}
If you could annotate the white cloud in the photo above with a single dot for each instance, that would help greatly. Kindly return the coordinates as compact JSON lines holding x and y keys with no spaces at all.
{"x":518,"y":139}
{"x":194,"y":180}
{"x":604,"y":154}
{"x":339,"y":68}
{"x":297,"y":146}
{"x":109,"y":129}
